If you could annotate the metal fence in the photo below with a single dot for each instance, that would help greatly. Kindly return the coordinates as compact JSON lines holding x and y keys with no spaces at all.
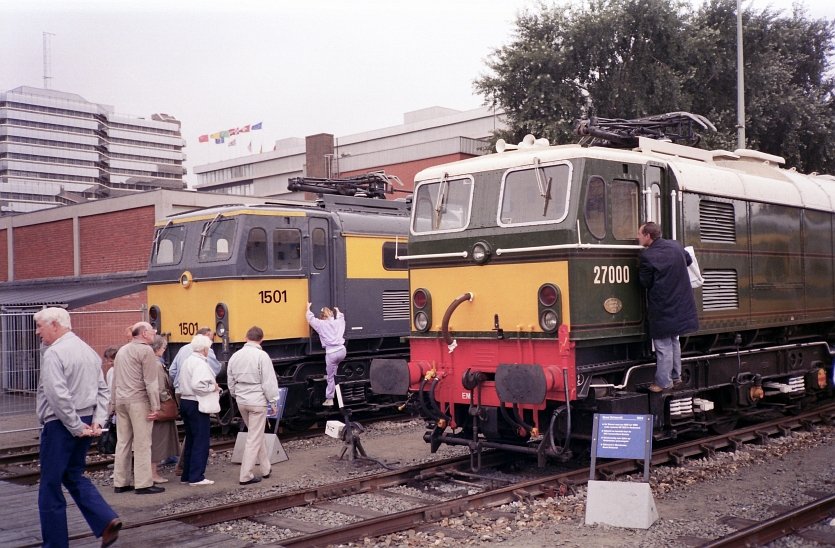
{"x":20,"y":358}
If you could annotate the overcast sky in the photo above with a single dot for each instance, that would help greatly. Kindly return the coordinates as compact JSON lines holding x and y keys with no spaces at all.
{"x":301,"y":67}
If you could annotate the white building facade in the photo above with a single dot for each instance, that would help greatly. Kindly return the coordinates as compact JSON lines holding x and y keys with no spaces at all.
{"x":426,"y":137}
{"x":57,"y":148}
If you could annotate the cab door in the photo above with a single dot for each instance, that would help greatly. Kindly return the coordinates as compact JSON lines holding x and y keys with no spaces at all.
{"x":321,"y":268}
{"x":659,"y":201}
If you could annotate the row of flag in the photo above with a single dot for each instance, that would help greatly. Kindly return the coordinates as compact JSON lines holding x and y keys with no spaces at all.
{"x":221,"y":136}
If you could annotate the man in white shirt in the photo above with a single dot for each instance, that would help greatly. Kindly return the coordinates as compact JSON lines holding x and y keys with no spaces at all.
{"x":253,"y":384}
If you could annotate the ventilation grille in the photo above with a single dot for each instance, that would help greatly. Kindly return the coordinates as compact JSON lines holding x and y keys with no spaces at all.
{"x":720,"y":290}
{"x":396,"y":305}
{"x":717,"y":222}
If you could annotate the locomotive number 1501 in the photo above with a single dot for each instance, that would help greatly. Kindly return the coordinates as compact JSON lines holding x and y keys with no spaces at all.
{"x":275,"y":296}
{"x":610,"y":274}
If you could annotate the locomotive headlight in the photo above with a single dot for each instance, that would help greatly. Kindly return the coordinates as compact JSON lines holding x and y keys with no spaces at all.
{"x":185,"y":279}
{"x":155,"y":317}
{"x":422,"y":309}
{"x":549,"y":307}
{"x":221,"y":320}
{"x":421,"y":321}
{"x":549,"y":321}
{"x":481,"y":252}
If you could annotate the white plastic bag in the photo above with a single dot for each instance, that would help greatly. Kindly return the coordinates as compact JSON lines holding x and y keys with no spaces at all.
{"x":696,"y":279}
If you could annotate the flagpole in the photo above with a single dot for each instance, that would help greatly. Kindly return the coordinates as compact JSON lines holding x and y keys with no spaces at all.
{"x":740,"y":80}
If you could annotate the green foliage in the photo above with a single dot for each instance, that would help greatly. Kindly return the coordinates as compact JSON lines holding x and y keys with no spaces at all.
{"x":630,"y":58}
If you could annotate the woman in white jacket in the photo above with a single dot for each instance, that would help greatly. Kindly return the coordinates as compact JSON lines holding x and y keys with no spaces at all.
{"x":331,"y":330}
{"x":196,"y":380}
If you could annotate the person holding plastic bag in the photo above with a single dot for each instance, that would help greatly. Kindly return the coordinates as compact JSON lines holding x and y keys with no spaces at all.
{"x":199,"y":397}
{"x":253,"y":384}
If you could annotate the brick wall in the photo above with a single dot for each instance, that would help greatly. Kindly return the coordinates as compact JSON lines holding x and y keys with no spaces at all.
{"x":116,"y":242}
{"x":106,"y":323}
{"x":317,"y":149}
{"x":4,"y":257}
{"x":407,"y":170}
{"x":43,"y":251}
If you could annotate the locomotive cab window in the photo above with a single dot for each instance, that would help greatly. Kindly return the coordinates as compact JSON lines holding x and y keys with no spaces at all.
{"x":216,"y":240}
{"x":624,"y":209}
{"x":442,"y":206}
{"x":320,"y":248}
{"x":596,"y":207}
{"x":535,"y":196}
{"x":256,"y":249}
{"x":168,"y":247}
{"x":390,"y":260}
{"x":287,"y":249}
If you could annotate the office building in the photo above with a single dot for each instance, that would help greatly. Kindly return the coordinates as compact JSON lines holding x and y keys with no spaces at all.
{"x":57,"y":148}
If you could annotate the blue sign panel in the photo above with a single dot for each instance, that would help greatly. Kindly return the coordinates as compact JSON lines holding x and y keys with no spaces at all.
{"x":278,"y":407}
{"x":621,"y":436}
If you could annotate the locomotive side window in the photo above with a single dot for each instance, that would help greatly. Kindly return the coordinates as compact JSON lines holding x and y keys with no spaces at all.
{"x":624,"y":209}
{"x":654,"y":181}
{"x":256,"y":249}
{"x":320,"y":248}
{"x":390,"y":261}
{"x":535,"y":196}
{"x":217,"y":240}
{"x":596,"y":207}
{"x":287,"y":249}
{"x":442,"y":206}
{"x":169,"y":245}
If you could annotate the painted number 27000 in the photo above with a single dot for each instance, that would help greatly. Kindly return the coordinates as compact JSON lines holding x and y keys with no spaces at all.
{"x":606,"y":274}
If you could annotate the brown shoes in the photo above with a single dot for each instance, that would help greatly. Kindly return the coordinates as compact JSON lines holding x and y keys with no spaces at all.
{"x":678,"y":383}
{"x":655,"y":388}
{"x":111,"y":532}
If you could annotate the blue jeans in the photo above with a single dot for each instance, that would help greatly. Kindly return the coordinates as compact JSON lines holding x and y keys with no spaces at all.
{"x":196,"y":444}
{"x":63,"y":459}
{"x":667,"y":361}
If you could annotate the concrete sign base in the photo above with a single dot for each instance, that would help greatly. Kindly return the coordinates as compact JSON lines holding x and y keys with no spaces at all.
{"x":274,"y":449}
{"x":620,"y":504}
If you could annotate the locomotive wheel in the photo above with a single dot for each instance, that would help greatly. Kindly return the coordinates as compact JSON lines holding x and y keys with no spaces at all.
{"x":300,"y":423}
{"x":723,"y":425}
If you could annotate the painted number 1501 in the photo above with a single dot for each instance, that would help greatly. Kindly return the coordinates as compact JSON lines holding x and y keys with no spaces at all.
{"x":275,"y":296}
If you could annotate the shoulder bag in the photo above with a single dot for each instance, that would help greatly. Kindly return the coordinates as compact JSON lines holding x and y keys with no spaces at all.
{"x":210,"y":403}
{"x":167,"y":410}
{"x":106,"y":443}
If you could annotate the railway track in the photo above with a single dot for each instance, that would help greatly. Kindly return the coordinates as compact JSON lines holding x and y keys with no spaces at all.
{"x":792,"y":522}
{"x":429,"y":503}
{"x":21,"y":464}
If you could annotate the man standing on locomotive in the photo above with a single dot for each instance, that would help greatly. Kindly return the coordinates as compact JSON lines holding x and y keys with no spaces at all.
{"x":670,"y":302}
{"x":331,"y":330}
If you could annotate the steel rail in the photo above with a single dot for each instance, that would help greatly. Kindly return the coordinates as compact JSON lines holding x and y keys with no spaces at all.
{"x":779,"y":526}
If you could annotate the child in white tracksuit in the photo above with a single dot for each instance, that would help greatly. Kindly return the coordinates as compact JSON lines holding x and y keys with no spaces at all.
{"x":331,"y":330}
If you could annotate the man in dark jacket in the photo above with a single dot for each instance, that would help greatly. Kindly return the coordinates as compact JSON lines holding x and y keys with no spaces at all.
{"x":671,"y":306}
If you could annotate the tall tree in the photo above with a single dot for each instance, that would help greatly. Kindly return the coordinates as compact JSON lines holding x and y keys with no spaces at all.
{"x":629,"y":58}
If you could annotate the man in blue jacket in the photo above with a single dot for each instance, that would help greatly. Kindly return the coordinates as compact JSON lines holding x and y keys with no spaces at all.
{"x":670,"y":302}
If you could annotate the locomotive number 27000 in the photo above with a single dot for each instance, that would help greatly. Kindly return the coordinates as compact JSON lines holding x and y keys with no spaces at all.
{"x":275,"y":296}
{"x":608,"y":274}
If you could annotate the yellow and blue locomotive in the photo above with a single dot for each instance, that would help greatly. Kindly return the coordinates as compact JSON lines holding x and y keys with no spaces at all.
{"x":232,"y":267}
{"x":528,"y":317}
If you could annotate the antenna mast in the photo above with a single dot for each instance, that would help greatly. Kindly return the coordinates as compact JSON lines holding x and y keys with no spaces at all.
{"x":47,"y":58}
